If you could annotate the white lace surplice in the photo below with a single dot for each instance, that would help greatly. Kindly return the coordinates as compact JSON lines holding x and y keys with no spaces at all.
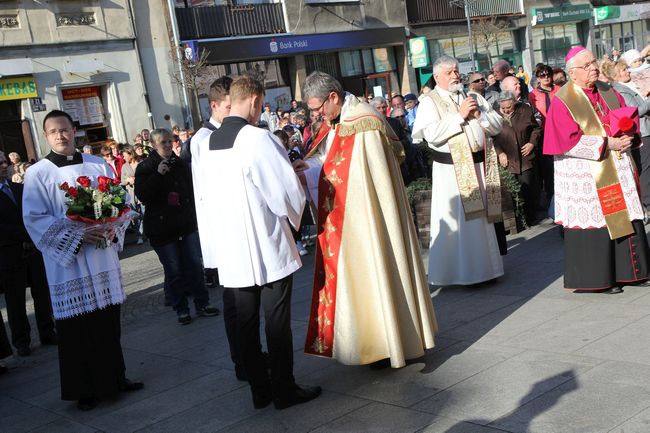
{"x":79,"y":283}
{"x":576,"y":199}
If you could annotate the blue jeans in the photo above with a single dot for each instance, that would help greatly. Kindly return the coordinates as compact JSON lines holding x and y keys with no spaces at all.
{"x":181,"y":260}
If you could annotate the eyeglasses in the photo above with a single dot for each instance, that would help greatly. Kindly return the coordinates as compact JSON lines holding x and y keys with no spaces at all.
{"x":320,"y":107}
{"x":543,"y":75}
{"x":593,"y":64}
{"x":478,"y":80}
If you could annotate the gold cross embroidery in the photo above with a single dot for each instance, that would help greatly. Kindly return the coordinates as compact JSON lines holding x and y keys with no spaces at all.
{"x":329,"y":228}
{"x":333,"y":178}
{"x":338,"y":158}
{"x":327,"y":252}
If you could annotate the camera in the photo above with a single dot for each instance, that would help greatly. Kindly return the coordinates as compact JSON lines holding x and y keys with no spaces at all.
{"x":294,"y":155}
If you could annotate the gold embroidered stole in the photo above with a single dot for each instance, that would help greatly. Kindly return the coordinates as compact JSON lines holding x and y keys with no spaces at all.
{"x":460,"y":149}
{"x":610,"y":193}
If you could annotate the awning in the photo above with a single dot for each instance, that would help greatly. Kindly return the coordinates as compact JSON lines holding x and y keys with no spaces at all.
{"x":11,"y":67}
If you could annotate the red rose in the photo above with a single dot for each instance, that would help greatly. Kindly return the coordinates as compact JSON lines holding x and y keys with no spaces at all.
{"x":83,"y":181}
{"x":102,"y":187}
{"x":103,"y":180}
{"x":625,"y":124}
{"x":64,"y":186}
{"x":72,"y":191}
{"x":116,"y":181}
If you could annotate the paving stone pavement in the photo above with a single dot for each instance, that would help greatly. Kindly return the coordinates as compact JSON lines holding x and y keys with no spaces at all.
{"x":521,"y":355}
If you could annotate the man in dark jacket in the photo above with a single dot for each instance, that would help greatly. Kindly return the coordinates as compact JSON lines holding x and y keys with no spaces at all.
{"x":21,"y":265}
{"x":163,"y":183}
{"x":515,"y":146}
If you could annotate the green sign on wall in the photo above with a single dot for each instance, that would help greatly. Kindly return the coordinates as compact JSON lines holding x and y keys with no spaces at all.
{"x":419,"y":49}
{"x":562,"y":14}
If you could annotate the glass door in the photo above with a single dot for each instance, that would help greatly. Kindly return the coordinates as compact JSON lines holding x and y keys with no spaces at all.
{"x":377,"y":85}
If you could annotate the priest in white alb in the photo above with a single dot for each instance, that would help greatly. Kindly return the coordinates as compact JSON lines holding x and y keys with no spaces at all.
{"x":466,"y":193}
{"x":85,"y":280}
{"x":255,"y":200}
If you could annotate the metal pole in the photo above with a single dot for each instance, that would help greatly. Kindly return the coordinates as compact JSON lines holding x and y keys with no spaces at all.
{"x":469,"y":31}
{"x":187,"y":110}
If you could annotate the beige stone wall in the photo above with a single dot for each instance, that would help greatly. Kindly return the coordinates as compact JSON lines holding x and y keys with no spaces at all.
{"x":31,"y":22}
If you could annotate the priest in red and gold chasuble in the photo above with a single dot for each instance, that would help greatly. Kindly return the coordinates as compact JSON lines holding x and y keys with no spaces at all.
{"x":370,"y":298}
{"x":597,"y":197}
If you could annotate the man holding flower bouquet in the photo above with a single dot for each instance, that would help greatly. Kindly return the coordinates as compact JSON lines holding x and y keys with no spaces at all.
{"x":76,"y":215}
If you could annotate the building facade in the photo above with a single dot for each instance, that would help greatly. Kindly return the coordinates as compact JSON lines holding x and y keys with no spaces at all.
{"x":81,"y":57}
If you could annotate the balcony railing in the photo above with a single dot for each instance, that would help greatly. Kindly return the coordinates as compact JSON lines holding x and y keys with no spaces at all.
{"x":229,"y":21}
{"x":431,"y":11}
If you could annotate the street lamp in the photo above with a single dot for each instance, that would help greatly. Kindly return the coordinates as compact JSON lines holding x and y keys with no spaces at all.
{"x":465,"y":4}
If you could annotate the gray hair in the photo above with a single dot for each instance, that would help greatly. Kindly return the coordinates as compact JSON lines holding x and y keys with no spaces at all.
{"x":157,"y":134}
{"x":506,"y":96}
{"x":319,"y":85}
{"x":87,"y":147}
{"x":443,"y":61}
{"x":377,"y":100}
{"x":501,"y":65}
{"x":571,"y":63}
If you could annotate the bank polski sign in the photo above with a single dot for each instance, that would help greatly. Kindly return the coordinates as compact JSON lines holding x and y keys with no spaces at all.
{"x":283,"y":46}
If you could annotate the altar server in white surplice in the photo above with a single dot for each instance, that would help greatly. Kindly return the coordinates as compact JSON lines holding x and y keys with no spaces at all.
{"x":254,"y":199}
{"x":85,"y":281}
{"x":466,"y":190}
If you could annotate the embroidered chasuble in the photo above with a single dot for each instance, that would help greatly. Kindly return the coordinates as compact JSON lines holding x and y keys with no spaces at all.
{"x":370,"y":298}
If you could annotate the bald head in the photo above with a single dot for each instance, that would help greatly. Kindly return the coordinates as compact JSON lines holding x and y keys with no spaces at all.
{"x":511,"y":84}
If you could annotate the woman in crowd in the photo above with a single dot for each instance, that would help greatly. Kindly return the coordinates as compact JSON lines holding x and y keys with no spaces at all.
{"x":131,"y":161}
{"x":515,"y":146}
{"x":115,"y":164}
{"x":621,"y":79}
{"x":163,"y":182}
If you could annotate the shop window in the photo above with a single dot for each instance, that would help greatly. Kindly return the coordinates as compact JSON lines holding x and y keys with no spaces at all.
{"x":324,"y":62}
{"x":368,"y":62}
{"x":350,"y":62}
{"x":86,"y":107}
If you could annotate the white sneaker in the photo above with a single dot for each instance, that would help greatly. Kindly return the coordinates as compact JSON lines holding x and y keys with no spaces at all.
{"x":301,"y":249}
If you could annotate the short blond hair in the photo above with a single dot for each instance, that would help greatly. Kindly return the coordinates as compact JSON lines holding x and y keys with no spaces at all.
{"x":610,"y":69}
{"x":244,"y":87}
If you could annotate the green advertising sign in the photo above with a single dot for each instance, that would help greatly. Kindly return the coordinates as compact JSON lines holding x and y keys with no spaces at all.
{"x":607,"y":13}
{"x":542,"y":16}
{"x":419,"y":49}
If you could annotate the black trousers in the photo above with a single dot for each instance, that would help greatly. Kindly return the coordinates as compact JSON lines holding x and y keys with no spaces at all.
{"x":529,"y":192}
{"x":15,"y":281}
{"x":230,"y":321}
{"x":90,"y":354}
{"x":547,"y":174}
{"x":593,"y":261}
{"x":275,"y":298}
{"x":5,"y":347}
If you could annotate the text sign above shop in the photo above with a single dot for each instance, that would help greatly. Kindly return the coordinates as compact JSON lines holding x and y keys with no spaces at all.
{"x":419,"y":49}
{"x":621,"y":14}
{"x":17,"y":88}
{"x":562,"y":14}
{"x":279,"y":46}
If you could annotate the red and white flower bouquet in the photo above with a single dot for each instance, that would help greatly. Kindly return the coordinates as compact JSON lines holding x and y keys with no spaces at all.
{"x":102,"y":208}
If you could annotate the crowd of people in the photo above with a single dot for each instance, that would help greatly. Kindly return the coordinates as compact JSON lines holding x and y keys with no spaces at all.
{"x":342,"y":163}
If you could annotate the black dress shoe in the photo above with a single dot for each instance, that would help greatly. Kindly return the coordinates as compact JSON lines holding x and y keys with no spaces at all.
{"x":262,"y":399}
{"x":86,"y":404}
{"x":130,"y":385}
{"x":24,"y":351}
{"x":613,"y":291}
{"x":241,"y":373}
{"x":296,"y":396}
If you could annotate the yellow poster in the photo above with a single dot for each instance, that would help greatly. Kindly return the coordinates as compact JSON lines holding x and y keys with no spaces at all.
{"x":17,"y":88}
